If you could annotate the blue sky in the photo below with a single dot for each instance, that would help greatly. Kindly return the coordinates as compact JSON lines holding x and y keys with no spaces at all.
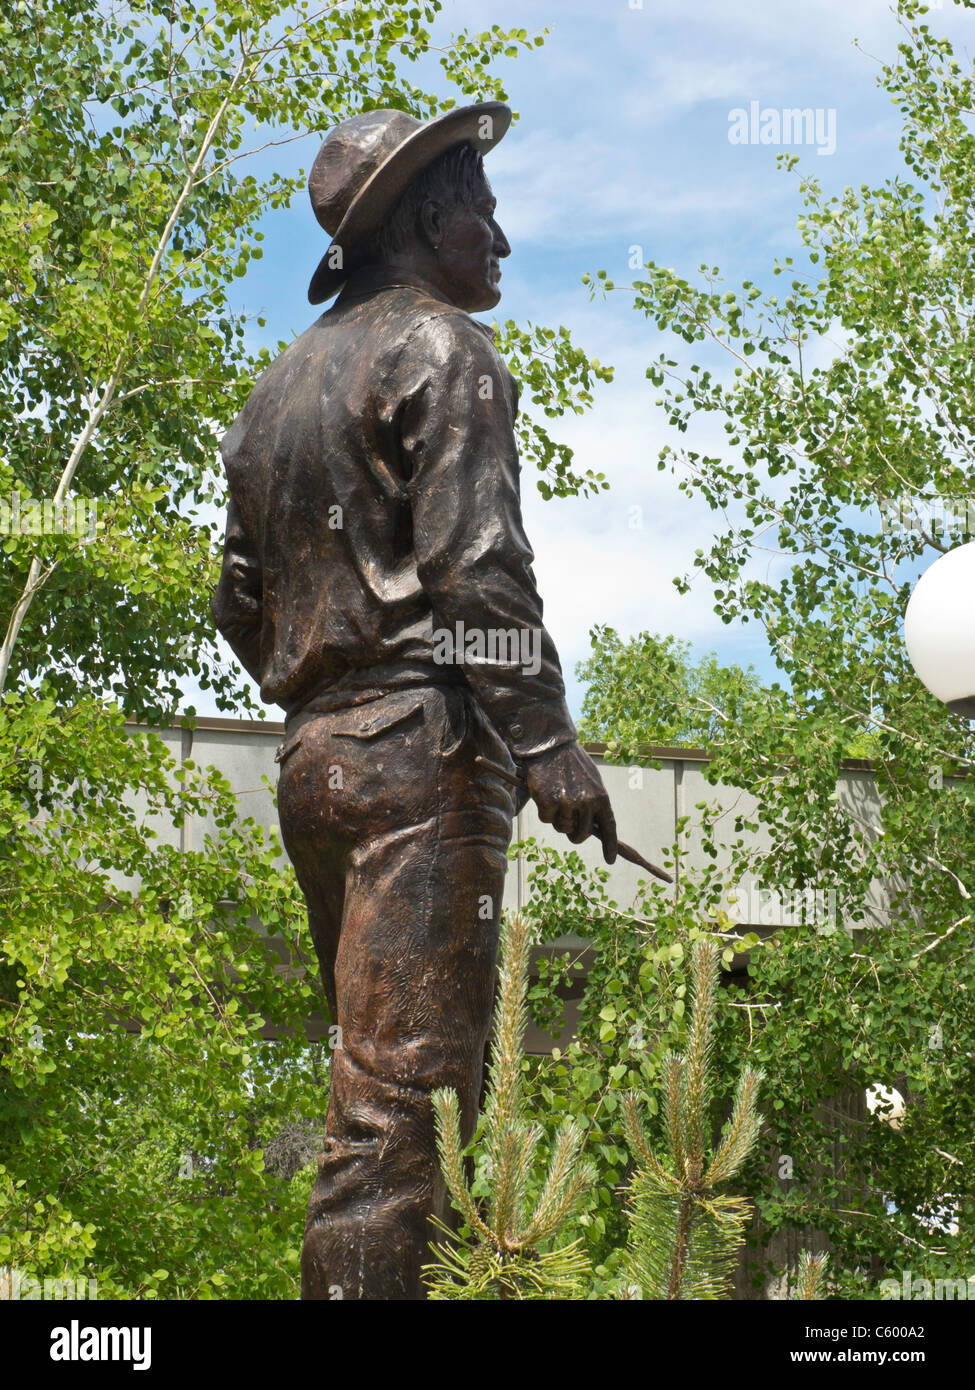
{"x":622,"y":141}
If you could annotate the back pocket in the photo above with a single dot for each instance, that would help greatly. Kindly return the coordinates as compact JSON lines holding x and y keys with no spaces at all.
{"x":371,"y":720}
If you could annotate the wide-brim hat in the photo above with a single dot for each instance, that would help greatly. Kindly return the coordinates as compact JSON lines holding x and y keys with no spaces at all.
{"x":366,"y":163}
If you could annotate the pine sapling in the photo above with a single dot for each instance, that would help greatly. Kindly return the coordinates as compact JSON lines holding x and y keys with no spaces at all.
{"x":506,"y":1252}
{"x":811,"y":1280}
{"x":684,"y":1235}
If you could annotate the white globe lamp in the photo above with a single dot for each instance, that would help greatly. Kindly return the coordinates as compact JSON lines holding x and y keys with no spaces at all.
{"x":939,"y":629}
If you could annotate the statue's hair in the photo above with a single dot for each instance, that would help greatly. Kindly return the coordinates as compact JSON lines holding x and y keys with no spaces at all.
{"x":453,"y":177}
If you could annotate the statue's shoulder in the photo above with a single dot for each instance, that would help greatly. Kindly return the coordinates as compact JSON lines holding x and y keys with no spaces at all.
{"x":284,"y":383}
{"x":442,"y":330}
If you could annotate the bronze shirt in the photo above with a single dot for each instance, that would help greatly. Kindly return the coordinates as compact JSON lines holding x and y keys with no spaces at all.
{"x":374,"y":499}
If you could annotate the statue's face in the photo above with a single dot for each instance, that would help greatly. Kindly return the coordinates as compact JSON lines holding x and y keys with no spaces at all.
{"x":469,"y":248}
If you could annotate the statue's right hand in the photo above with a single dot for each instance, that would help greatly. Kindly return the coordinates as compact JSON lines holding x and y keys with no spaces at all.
{"x":566,"y":787}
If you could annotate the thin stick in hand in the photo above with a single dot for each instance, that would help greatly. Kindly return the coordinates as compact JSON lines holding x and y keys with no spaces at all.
{"x":627,"y":852}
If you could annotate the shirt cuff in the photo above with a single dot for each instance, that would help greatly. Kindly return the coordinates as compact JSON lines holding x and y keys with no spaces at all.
{"x":537,"y":728}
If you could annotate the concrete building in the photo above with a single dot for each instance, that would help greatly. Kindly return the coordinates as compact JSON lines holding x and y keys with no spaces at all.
{"x":648,"y":803}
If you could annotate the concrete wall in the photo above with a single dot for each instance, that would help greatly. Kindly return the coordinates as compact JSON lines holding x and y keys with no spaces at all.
{"x":648,"y":802}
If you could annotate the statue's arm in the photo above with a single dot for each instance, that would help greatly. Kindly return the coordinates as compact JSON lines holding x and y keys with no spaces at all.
{"x":237,"y":602}
{"x":473,"y":557}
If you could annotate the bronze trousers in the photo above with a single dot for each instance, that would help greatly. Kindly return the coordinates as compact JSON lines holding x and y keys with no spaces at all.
{"x":399,"y":844}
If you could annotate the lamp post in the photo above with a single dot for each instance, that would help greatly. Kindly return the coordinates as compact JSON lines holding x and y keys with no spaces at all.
{"x":939,"y":629}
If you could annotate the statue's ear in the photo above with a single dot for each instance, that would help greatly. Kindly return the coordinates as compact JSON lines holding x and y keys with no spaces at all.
{"x":432,"y":222}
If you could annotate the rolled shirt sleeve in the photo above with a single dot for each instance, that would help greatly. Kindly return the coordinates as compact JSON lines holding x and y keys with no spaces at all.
{"x":473,"y":557}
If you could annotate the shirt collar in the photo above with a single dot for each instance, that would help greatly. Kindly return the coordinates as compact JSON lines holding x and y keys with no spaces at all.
{"x":371,"y":279}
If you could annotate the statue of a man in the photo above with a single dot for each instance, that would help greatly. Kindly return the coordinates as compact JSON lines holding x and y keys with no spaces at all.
{"x":377,"y":584}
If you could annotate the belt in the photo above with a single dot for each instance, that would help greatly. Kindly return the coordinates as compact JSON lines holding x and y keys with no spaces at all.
{"x":366,"y":683}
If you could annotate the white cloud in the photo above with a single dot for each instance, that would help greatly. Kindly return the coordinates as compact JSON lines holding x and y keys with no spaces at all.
{"x":568,"y":191}
{"x":674,"y":84}
{"x":594,"y":565}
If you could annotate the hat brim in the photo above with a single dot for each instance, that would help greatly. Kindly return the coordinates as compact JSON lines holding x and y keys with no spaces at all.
{"x":380,"y":193}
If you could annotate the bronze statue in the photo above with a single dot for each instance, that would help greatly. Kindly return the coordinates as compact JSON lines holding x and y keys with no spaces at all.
{"x":377,"y":583}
